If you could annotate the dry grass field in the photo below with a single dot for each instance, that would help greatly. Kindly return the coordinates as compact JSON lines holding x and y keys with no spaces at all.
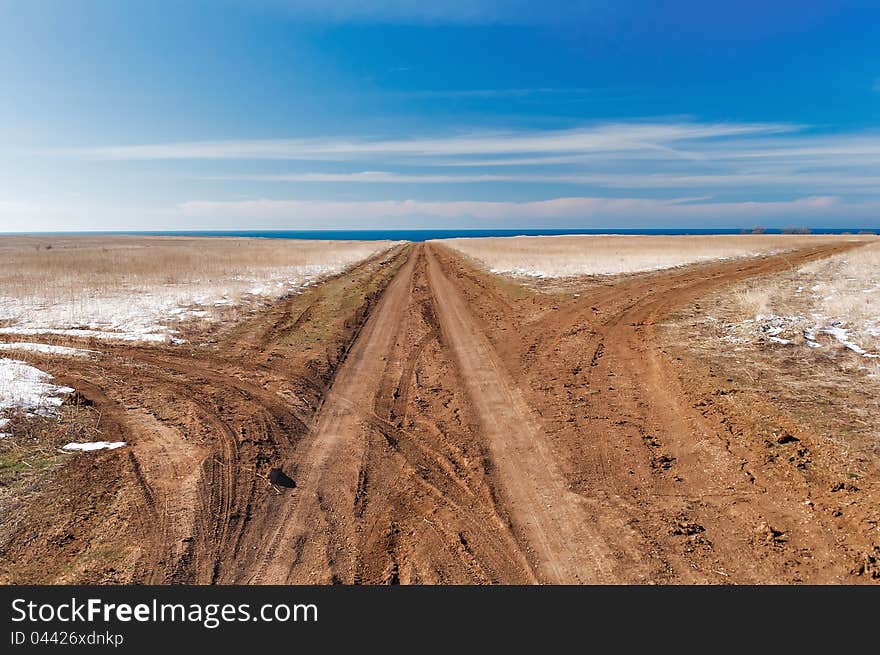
{"x":139,"y":288}
{"x":567,"y":256}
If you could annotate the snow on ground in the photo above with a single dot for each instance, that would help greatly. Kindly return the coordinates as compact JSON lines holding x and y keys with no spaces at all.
{"x":28,"y":389}
{"x":146,"y":335}
{"x":830,"y":307}
{"x":150,"y":313}
{"x":609,"y":266}
{"x":47,"y":349}
{"x":811,"y":332}
{"x":94,"y":445}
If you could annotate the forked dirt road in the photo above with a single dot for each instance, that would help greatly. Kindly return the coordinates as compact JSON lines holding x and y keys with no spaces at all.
{"x":445,"y":426}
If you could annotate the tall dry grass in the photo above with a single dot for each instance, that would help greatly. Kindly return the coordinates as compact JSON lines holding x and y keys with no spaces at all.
{"x":139,"y":285}
{"x":61,"y":265}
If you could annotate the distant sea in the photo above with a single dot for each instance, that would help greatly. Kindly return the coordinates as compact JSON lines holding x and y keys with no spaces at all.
{"x":425,"y":235}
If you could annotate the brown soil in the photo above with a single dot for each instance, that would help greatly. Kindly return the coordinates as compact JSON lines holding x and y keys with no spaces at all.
{"x":439,"y":425}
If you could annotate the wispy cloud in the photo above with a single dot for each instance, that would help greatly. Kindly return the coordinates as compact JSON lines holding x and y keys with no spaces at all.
{"x":602,"y":138}
{"x":741,"y":162}
{"x":490,"y":94}
{"x":612,"y":181}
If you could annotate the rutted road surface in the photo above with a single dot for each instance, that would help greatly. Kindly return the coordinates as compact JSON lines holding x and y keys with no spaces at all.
{"x":547,"y":513}
{"x":319,"y":530}
{"x":444,"y":426}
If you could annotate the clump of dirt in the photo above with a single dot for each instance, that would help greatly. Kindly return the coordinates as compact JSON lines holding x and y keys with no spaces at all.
{"x":768,"y":534}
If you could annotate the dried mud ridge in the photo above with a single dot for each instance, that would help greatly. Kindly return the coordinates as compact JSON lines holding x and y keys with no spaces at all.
{"x":439,"y":425}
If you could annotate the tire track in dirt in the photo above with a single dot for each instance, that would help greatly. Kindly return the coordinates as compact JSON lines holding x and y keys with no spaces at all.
{"x":315,"y":539}
{"x":186,"y":436}
{"x":427,"y":508}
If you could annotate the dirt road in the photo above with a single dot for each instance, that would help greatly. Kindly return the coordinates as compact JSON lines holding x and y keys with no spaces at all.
{"x":318,"y":530}
{"x":550,"y":517}
{"x":442,"y":425}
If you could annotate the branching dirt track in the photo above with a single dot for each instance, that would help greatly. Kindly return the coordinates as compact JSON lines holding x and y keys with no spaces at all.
{"x":442,"y":426}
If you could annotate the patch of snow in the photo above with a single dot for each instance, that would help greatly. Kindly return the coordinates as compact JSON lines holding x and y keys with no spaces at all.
{"x":842,"y":338}
{"x":23,"y":387}
{"x":521,"y":272}
{"x":776,"y":328}
{"x":145,"y":335}
{"x":94,"y":445}
{"x":47,"y":349}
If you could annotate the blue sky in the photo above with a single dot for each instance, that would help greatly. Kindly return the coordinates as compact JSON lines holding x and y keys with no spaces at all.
{"x":290,"y":114}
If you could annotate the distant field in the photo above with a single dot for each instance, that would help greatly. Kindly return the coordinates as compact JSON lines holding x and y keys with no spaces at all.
{"x":138,"y":288}
{"x":567,"y":256}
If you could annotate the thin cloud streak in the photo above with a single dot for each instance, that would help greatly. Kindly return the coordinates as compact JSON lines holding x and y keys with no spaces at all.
{"x":610,"y":137}
{"x":613,"y":181}
{"x":490,"y":94}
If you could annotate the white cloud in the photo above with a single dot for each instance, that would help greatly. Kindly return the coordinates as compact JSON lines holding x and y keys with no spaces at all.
{"x":298,"y":212}
{"x":572,"y":212}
